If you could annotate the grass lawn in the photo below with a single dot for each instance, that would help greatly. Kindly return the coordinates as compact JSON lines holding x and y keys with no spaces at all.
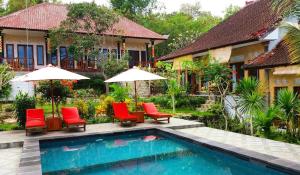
{"x":48,"y":108}
{"x":8,"y":126}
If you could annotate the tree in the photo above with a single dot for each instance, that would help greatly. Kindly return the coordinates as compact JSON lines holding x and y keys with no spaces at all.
{"x":60,"y":93}
{"x":91,"y":20}
{"x":292,"y":39}
{"x":218,"y":75}
{"x":184,"y":39}
{"x":174,"y":89}
{"x":6,"y":74}
{"x":176,"y":24}
{"x":251,"y":100}
{"x":231,"y":10}
{"x":15,"y":5}
{"x":132,"y":9}
{"x":193,"y":10}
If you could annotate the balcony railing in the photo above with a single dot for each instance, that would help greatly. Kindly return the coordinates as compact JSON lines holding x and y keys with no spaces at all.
{"x":79,"y":65}
{"x":19,"y":64}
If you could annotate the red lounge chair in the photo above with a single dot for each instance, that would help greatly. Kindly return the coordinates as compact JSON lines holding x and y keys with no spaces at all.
{"x":152,"y":112}
{"x":71,"y":117}
{"x":122,"y":114}
{"x":35,"y":118}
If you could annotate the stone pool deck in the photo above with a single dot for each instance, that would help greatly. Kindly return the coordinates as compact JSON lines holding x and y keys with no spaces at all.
{"x":290,"y":152}
{"x":11,"y":139}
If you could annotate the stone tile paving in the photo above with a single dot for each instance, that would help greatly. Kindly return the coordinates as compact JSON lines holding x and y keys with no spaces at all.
{"x":19,"y":136}
{"x":9,"y":160}
{"x":282,"y":150}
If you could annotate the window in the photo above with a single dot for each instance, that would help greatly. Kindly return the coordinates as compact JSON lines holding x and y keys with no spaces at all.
{"x":103,"y":53}
{"x":114,"y":54}
{"x":9,"y":51}
{"x":297,"y":90}
{"x":63,"y":53}
{"x":254,"y":73}
{"x":40,"y":54}
{"x":134,"y":58}
{"x":25,"y":54}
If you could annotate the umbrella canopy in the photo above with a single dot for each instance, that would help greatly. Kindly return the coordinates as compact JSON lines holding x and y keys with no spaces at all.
{"x":49,"y":73}
{"x":134,"y":74}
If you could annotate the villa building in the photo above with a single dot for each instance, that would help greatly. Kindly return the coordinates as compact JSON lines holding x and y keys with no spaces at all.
{"x":250,"y":42}
{"x":25,"y":43}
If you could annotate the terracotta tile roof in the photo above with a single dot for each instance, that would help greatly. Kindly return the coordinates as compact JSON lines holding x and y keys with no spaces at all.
{"x":46,"y":16}
{"x":249,"y":24}
{"x":279,"y":56}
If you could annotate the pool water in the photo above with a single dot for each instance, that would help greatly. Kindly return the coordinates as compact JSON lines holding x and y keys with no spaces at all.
{"x":147,"y":153}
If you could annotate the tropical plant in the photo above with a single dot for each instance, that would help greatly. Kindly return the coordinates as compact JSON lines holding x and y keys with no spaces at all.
{"x":250,"y":100}
{"x":218,"y":75}
{"x":6,"y":74}
{"x":22,"y":103}
{"x":263,"y":119}
{"x":105,"y":106}
{"x":119,"y":93}
{"x":60,"y":93}
{"x":289,"y":103}
{"x":174,"y":89}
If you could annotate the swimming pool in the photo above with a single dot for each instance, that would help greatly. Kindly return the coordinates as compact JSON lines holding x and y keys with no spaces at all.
{"x":142,"y":152}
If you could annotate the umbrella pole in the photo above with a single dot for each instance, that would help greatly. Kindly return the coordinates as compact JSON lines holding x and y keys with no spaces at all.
{"x":135,"y":92}
{"x":52,"y":98}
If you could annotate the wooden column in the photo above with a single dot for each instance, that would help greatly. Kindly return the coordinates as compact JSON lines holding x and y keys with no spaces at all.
{"x":123,"y":46}
{"x":119,"y":50}
{"x":47,"y":50}
{"x":1,"y":44}
{"x":146,"y":53}
{"x":153,"y":53}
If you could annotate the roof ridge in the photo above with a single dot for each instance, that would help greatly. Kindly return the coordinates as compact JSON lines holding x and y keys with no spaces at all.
{"x":140,"y":25}
{"x":29,"y":8}
{"x":195,"y":46}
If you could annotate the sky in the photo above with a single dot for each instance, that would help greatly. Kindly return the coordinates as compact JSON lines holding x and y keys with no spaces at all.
{"x":216,"y":7}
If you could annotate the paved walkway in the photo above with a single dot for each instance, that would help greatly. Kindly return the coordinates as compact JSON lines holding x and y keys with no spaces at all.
{"x":175,"y":123}
{"x":282,"y":150}
{"x":9,"y":160}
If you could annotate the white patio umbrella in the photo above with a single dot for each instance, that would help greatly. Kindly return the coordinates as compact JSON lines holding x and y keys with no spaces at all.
{"x":133,"y":75}
{"x":49,"y":73}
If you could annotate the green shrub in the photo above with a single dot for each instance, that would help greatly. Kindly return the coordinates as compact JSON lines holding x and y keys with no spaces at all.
{"x":91,"y":109}
{"x":97,"y":120}
{"x":85,"y":93}
{"x":9,"y":127}
{"x":82,"y":107}
{"x":23,"y":101}
{"x":191,"y":102}
{"x":119,"y":93}
{"x":95,"y":82}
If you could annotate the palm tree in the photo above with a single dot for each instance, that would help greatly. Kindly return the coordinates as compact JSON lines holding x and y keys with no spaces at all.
{"x":251,"y":100}
{"x":289,"y":103}
{"x":292,"y":39}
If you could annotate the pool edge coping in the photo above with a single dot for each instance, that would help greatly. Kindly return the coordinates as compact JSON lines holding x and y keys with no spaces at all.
{"x":30,"y":162}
